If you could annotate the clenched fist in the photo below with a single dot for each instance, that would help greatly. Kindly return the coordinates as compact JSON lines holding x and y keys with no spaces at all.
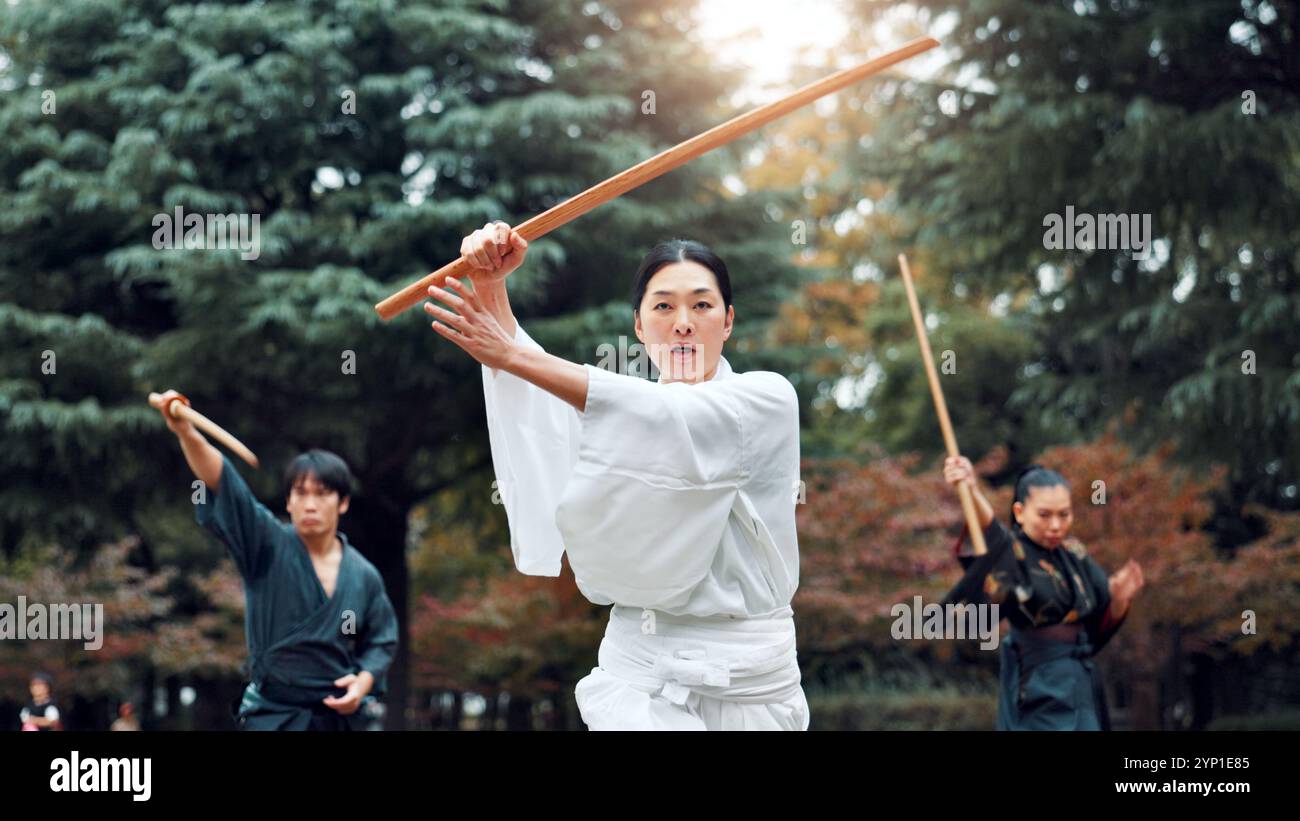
{"x":163,"y":402}
{"x":493,"y":252}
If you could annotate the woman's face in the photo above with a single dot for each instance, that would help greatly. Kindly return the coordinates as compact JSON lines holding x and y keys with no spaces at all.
{"x":682,"y":322}
{"x":1045,"y":514}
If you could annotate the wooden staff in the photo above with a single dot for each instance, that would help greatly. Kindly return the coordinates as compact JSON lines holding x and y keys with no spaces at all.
{"x":949,"y":439}
{"x":180,"y":409}
{"x":662,"y":163}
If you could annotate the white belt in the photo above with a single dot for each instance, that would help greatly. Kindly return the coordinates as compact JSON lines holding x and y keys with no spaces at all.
{"x":685,"y":669}
{"x":749,"y":660}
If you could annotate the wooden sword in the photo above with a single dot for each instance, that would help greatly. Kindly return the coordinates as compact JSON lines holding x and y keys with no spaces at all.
{"x":179,"y":408}
{"x":661,"y":163}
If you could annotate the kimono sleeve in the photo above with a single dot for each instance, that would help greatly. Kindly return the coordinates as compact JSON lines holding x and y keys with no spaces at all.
{"x":378,"y":640}
{"x":533,"y":435}
{"x":238,"y":519}
{"x":986,"y":579}
{"x":659,"y":469}
{"x":1100,"y":625}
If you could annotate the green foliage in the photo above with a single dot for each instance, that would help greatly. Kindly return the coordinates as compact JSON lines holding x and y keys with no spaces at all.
{"x":368,"y":137}
{"x":1137,"y":107}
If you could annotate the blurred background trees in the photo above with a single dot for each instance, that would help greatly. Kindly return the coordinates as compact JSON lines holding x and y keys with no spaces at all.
{"x":370,"y":136}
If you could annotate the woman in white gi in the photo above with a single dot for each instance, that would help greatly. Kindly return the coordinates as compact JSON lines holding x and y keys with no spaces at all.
{"x":675,"y":501}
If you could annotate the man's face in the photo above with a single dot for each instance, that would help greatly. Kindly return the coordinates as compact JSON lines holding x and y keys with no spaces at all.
{"x":40,"y":690}
{"x":314,"y":508}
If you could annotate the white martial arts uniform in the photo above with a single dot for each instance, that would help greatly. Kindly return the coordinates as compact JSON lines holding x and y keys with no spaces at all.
{"x":676,"y":504}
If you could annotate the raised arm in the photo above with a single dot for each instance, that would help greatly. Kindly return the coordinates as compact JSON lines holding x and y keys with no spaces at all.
{"x":228,"y":509}
{"x":204,"y":459}
{"x":957,"y":471}
{"x":482,"y":324}
{"x":973,"y":585}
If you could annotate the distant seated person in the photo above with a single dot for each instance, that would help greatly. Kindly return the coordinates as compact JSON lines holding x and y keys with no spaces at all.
{"x":41,"y":714}
{"x":126,"y":721}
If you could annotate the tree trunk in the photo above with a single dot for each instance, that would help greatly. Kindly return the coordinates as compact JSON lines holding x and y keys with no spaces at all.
{"x":519,"y":713}
{"x":377,"y":527}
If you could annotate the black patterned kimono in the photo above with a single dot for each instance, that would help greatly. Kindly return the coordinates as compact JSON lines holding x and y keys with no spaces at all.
{"x":1044,"y":683}
{"x":299,"y":640}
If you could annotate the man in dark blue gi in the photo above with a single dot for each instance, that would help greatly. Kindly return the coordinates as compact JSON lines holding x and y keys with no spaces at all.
{"x":321,"y":630}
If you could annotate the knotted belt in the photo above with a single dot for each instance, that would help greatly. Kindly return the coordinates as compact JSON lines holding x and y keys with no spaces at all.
{"x":1031,"y":650}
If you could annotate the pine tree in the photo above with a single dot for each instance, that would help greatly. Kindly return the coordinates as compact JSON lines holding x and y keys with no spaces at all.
{"x":367,"y":137}
{"x":1185,"y":111}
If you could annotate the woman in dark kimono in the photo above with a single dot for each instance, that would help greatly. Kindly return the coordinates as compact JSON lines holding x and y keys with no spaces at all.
{"x":1061,"y":606}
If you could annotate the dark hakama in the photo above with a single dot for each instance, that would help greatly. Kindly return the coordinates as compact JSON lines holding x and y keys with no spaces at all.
{"x":1057,"y":603}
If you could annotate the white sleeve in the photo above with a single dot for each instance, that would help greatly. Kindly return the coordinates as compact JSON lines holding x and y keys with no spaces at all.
{"x":712,"y":434}
{"x":24,"y":714}
{"x":660,"y":467}
{"x":52,"y":713}
{"x":534,"y":437}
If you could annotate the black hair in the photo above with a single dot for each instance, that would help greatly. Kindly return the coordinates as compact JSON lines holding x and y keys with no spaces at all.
{"x":1031,"y":477}
{"x":42,"y":676}
{"x":331,"y":470}
{"x":680,"y":250}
